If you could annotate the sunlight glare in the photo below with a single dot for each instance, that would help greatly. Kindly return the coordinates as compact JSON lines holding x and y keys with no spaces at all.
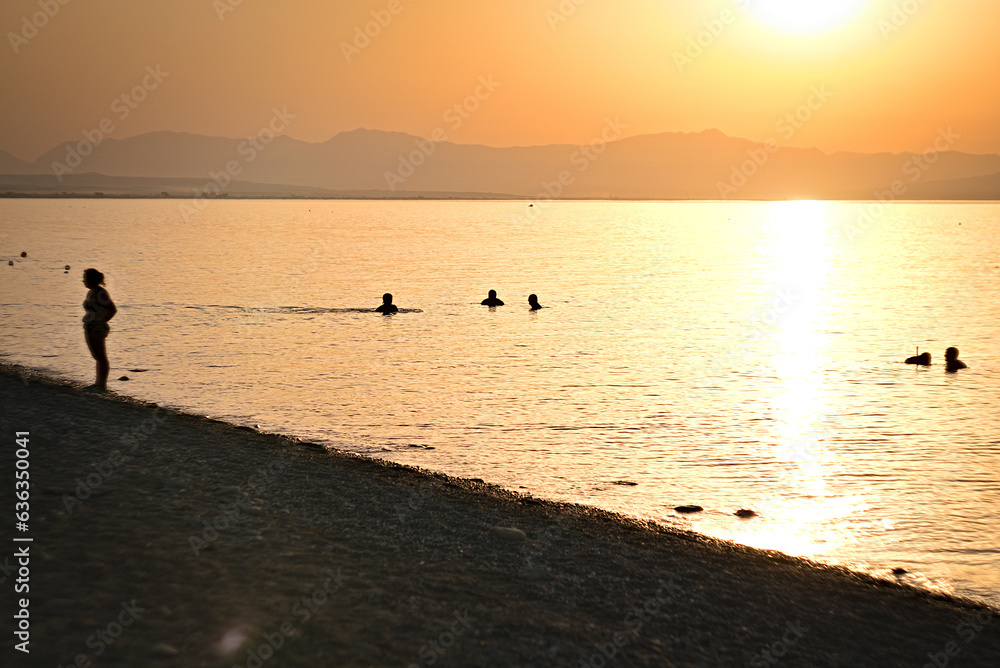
{"x":806,"y":16}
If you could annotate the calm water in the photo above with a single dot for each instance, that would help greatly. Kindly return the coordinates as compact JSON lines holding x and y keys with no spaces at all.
{"x":730,"y":355}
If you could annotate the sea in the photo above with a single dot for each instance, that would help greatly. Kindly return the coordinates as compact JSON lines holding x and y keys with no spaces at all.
{"x":730,"y":355}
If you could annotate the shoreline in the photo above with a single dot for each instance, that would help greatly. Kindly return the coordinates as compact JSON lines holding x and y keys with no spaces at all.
{"x":226,"y":538}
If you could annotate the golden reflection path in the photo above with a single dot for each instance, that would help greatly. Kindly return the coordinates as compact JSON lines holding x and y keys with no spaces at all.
{"x":804,"y":516}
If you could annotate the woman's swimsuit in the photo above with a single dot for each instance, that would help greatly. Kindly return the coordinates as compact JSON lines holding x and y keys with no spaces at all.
{"x":93,"y":307}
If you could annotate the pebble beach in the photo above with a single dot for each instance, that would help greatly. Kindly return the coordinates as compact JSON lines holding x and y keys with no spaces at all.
{"x":160,"y":538}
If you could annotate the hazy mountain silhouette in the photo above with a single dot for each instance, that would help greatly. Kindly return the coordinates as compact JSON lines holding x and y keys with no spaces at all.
{"x":703,"y":165}
{"x":12,"y":165}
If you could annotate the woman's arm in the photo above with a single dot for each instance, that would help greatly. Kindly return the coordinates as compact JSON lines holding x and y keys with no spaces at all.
{"x":109,"y":306}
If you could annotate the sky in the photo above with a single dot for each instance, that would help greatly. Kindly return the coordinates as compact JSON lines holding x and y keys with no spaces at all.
{"x":851,"y":75}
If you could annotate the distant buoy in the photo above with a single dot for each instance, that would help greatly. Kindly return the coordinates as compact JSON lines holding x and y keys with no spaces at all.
{"x":123,"y":378}
{"x":10,"y":263}
{"x":66,"y":267}
{"x":24,"y":253}
{"x":745,"y":513}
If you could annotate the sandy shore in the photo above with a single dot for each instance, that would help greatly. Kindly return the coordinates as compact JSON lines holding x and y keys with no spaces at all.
{"x":164,"y":539}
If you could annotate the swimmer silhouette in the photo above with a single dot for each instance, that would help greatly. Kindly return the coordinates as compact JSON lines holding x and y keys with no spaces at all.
{"x":952,"y":363}
{"x":98,"y":309}
{"x":923,"y":359}
{"x":533,"y":302}
{"x":387,"y":305}
{"x":492,"y":300}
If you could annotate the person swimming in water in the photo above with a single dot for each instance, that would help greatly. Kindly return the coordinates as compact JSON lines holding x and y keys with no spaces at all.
{"x":533,"y":302}
{"x":492,"y":299}
{"x":99,"y":310}
{"x":387,"y":305}
{"x":923,"y":359}
{"x":952,"y":363}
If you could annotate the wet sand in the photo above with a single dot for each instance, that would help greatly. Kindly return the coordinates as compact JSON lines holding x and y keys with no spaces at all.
{"x":165,"y":539}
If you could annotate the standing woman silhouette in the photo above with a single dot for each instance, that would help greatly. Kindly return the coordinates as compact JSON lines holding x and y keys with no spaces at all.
{"x":99,"y":310}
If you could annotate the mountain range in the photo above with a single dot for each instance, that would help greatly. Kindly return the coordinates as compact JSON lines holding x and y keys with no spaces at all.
{"x":375,"y":163}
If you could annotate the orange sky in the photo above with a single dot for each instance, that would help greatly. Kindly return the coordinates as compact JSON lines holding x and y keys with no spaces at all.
{"x":893,"y":81}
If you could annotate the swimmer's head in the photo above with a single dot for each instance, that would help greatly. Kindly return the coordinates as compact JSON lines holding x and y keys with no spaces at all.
{"x":92,"y":278}
{"x":532,"y":299}
{"x":387,"y":298}
{"x":492,"y":294}
{"x":951,"y":354}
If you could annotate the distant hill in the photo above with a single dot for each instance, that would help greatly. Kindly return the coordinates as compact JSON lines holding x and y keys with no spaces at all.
{"x":11,"y":165}
{"x":703,"y":165}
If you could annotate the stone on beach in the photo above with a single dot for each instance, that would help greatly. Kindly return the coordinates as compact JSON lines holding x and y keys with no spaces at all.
{"x":165,"y":649}
{"x":509,"y":533}
{"x":532,"y":573}
{"x":745,"y":513}
{"x":689,"y":509}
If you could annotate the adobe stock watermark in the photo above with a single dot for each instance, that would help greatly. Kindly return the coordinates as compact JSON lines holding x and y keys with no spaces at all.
{"x":121,"y":107}
{"x":302,"y":610}
{"x":562,"y":12}
{"x":915,"y":168}
{"x":637,"y":617}
{"x":784,"y":301}
{"x":582,"y":158}
{"x":901,"y":14}
{"x":223,"y":7}
{"x":115,"y":460}
{"x":102,"y":638}
{"x":31,"y":25}
{"x":788,"y":125}
{"x":85,"y":487}
{"x":64,"y":334}
{"x":966,"y":631}
{"x":536,"y":550}
{"x":454,"y":116}
{"x":777,"y":650}
{"x":714,"y":28}
{"x":803,"y":452}
{"x":416,"y":497}
{"x":363,"y":35}
{"x":229,"y":516}
{"x":248,"y":150}
{"x":432,"y":651}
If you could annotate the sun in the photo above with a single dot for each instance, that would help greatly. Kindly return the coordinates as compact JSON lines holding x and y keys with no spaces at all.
{"x":805,"y":16}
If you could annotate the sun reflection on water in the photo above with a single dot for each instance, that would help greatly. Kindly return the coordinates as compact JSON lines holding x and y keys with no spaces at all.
{"x":804,"y":516}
